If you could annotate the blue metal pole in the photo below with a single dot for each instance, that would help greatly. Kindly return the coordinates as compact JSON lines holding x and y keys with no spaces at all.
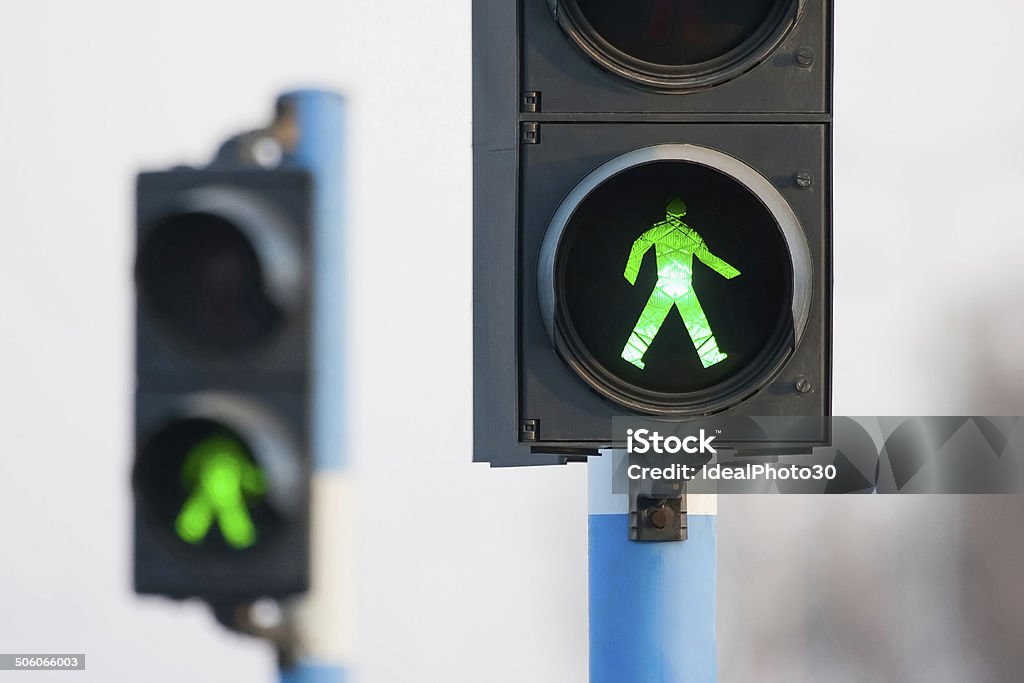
{"x":321,"y":150}
{"x":313,"y":672}
{"x":325,"y":619}
{"x":652,"y":605}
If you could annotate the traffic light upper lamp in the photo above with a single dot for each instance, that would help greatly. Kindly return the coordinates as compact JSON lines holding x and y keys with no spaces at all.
{"x":677,"y":45}
{"x":218,"y":270}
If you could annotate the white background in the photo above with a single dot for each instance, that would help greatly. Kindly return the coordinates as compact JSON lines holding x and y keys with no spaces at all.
{"x":467,"y":573}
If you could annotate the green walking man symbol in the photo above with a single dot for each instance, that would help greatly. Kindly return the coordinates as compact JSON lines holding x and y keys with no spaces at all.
{"x":675,"y":244}
{"x":222,"y":479}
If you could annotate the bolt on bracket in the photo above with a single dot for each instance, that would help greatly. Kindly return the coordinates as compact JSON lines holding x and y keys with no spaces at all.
{"x":657,"y":510}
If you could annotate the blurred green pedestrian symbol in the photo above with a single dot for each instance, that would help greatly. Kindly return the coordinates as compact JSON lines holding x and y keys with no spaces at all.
{"x":675,"y":245}
{"x":223,"y":480}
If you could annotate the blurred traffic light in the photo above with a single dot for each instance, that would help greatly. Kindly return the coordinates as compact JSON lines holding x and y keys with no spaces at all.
{"x":652,"y":217}
{"x":223,"y":365}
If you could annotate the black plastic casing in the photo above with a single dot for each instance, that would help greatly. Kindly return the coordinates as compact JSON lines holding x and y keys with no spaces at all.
{"x":544,"y":116}
{"x":275,"y":376}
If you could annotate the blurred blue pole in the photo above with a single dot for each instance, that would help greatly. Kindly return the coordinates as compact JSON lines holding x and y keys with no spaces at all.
{"x":652,"y":605}
{"x":324,"y":621}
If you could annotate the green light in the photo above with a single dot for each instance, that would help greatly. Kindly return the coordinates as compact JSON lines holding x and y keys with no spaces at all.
{"x":675,"y":245}
{"x":222,"y":478}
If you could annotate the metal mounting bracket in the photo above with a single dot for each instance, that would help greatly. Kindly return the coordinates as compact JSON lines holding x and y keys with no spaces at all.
{"x":657,"y":511}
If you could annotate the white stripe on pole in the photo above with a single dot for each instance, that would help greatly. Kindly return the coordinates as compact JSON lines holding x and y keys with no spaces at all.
{"x":325,"y":618}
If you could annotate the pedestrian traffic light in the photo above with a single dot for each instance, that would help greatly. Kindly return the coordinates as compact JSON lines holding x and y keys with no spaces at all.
{"x":224,"y":352}
{"x":652,"y":217}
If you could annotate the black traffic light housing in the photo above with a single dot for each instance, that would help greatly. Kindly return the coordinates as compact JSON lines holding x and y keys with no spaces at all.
{"x":223,"y":349}
{"x":558,"y":104}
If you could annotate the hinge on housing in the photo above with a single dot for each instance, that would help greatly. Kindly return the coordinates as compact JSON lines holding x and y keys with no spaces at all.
{"x":657,"y":510}
{"x":530,"y":133}
{"x":529,"y":430}
{"x":530,"y":103}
